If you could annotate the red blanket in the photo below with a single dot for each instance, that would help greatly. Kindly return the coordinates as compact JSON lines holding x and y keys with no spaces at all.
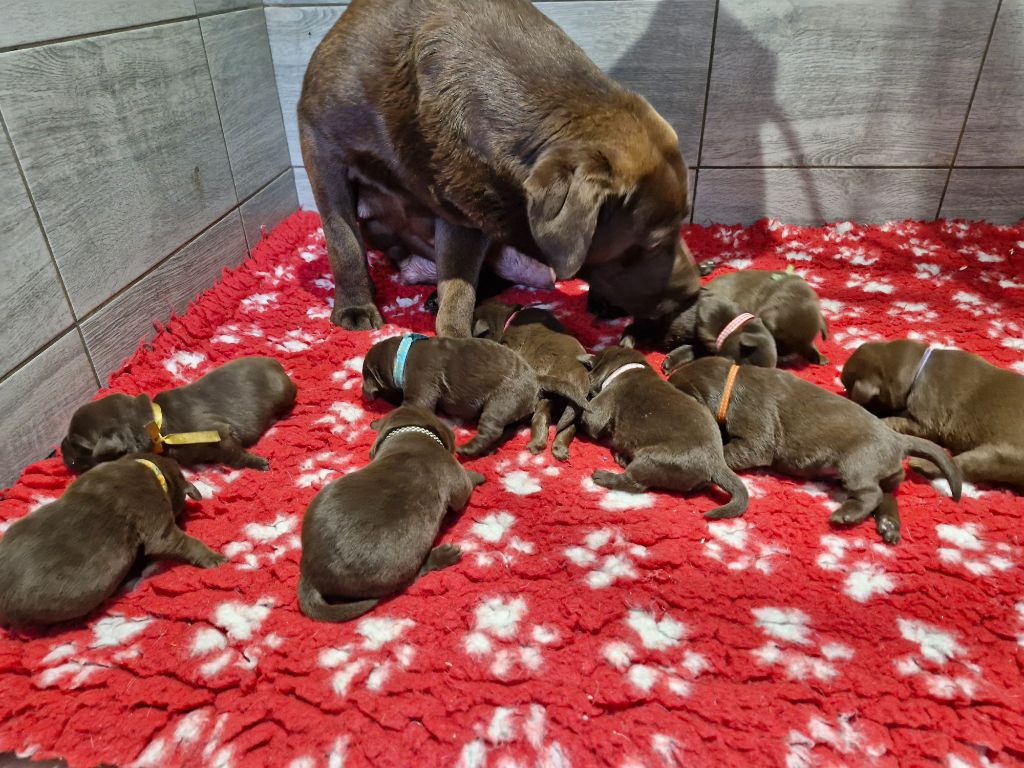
{"x":583,"y":627}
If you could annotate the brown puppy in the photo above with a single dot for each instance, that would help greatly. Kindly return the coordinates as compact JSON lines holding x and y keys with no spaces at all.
{"x":369,"y":534}
{"x":542,"y":341}
{"x":233,"y":404}
{"x":784,"y":302}
{"x":466,"y":378}
{"x":710,"y":325}
{"x":951,"y":397}
{"x":63,"y":560}
{"x":774,"y":419}
{"x":660,"y":437}
{"x":449,"y":128}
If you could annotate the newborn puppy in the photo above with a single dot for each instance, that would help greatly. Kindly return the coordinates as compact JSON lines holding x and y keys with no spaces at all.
{"x":784,"y":302}
{"x":210,"y":420}
{"x":951,"y":397}
{"x":465,"y":378}
{"x":774,"y":419}
{"x":369,"y":534}
{"x":63,"y":560}
{"x":711,"y":325}
{"x":542,"y":341}
{"x":662,"y":438}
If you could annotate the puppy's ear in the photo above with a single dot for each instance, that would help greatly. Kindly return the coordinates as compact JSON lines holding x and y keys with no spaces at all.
{"x":864,"y":391}
{"x":375,"y":424}
{"x":108,"y":448}
{"x":587,"y":360}
{"x":192,"y":492}
{"x":480,"y":328}
{"x":563,"y":200}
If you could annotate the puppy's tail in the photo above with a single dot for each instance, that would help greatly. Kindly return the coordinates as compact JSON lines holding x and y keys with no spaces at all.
{"x":925,"y":449}
{"x":550,"y":385}
{"x":313,"y":605}
{"x":569,"y":415}
{"x":729,"y":482}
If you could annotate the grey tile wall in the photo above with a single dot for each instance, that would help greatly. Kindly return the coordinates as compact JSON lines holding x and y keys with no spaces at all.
{"x":867,"y":97}
{"x":142,"y":152}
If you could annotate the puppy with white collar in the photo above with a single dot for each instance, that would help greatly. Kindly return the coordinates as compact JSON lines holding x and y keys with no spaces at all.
{"x":370,"y":534}
{"x":660,"y":437}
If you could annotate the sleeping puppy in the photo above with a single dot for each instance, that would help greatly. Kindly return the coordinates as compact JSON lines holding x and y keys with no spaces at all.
{"x":63,"y":560}
{"x":466,"y":378}
{"x":210,"y":420}
{"x":951,"y":397}
{"x":370,"y":534}
{"x":660,"y":437}
{"x":774,"y":419}
{"x":710,"y":325}
{"x":542,"y":341}
{"x":784,"y":302}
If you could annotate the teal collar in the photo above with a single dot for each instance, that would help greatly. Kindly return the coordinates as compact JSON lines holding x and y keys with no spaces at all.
{"x":398,"y":374}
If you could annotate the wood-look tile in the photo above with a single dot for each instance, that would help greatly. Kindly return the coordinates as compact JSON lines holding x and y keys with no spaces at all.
{"x":262,"y":212}
{"x":995,"y":195}
{"x":30,"y":21}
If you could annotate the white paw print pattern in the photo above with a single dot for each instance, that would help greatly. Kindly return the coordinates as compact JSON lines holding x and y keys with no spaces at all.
{"x":791,"y":627}
{"x":523,"y":476}
{"x":350,"y":374}
{"x":344,"y":419}
{"x":232,"y":640}
{"x":608,"y":555}
{"x":68,"y":665}
{"x":1010,"y":334}
{"x":264,"y":543}
{"x":296,"y":340}
{"x":183,"y":364}
{"x":507,"y":735}
{"x":317,"y":471}
{"x":281,"y":273}
{"x":913,"y":311}
{"x":853,"y":336}
{"x":191,"y":738}
{"x":258,"y":302}
{"x":734,"y":544}
{"x":497,"y":636}
{"x":964,"y":546}
{"x":835,"y":310}
{"x":655,"y":636}
{"x":335,"y":757}
{"x":858,"y":256}
{"x":374,"y":659}
{"x":869,"y":285}
{"x":210,"y":482}
{"x":822,"y":742}
{"x":1020,"y":620}
{"x":618,"y":501}
{"x":232,"y":333}
{"x":865,"y":577}
{"x":941,"y":664}
{"x":489,"y":540}
{"x":975,"y":305}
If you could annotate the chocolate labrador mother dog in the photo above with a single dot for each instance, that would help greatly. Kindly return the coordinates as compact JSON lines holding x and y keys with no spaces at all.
{"x":451,"y":128}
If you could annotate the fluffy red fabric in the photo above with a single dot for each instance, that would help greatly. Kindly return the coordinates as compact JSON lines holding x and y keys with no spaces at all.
{"x":582,"y":627}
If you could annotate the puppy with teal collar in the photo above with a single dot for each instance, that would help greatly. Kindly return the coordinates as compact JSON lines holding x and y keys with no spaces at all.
{"x":370,"y":534}
{"x":471,"y":379}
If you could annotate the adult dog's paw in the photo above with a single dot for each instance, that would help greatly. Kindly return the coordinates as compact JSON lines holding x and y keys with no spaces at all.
{"x":360,"y":317}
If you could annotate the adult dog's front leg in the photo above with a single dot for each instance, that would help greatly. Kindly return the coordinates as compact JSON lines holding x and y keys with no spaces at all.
{"x":334,"y":193}
{"x":459,"y":253}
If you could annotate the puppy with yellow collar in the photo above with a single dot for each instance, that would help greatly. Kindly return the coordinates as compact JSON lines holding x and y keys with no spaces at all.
{"x":63,"y":560}
{"x":212,"y":420}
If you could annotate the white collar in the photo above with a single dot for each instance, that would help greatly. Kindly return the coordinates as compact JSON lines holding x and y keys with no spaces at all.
{"x":411,"y":428}
{"x":619,"y":371}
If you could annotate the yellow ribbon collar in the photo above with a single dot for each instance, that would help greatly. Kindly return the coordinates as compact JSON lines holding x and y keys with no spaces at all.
{"x":156,"y":471}
{"x":155,"y":427}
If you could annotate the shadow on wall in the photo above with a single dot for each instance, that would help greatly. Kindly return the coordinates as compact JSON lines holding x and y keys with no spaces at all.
{"x":757,"y":80}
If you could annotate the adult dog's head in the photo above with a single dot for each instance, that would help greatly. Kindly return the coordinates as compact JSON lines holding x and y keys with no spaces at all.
{"x":606,"y":199}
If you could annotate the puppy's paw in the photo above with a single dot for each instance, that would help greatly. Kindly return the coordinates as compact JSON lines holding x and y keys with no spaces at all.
{"x":925,"y":468}
{"x":361,"y":317}
{"x":471,"y":449}
{"x":560,"y":452}
{"x":441,"y":557}
{"x":677,"y":357}
{"x":889,"y":530}
{"x":536,"y":446}
{"x":848,"y":516}
{"x":211,"y":559}
{"x":257,"y":462}
{"x":475,"y":478}
{"x":432,"y":304}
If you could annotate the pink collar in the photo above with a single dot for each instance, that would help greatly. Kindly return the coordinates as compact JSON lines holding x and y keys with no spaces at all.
{"x":732,"y":327}
{"x":619,"y":371}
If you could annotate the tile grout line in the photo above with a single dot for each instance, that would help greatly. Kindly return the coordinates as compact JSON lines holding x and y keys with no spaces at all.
{"x":704,"y":113}
{"x":280,"y":109}
{"x":137,"y":280}
{"x":216,"y":105}
{"x":118,"y":30}
{"x":970,"y":104}
{"x":53,"y":260}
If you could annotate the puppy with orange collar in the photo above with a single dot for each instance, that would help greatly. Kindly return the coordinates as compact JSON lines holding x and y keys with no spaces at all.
{"x":774,"y":419}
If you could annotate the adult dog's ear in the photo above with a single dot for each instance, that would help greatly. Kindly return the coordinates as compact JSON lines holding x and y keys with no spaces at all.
{"x":563,"y":199}
{"x":192,"y":492}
